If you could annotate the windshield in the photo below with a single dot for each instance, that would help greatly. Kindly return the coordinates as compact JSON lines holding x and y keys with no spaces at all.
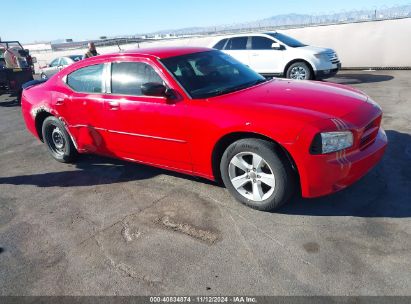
{"x":291,"y":42}
{"x":76,"y":57}
{"x":211,"y":73}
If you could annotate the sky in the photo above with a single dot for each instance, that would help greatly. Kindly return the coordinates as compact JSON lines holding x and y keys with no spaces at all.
{"x":45,"y":20}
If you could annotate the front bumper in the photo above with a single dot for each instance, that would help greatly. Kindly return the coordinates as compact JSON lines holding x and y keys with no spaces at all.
{"x":327,"y":72}
{"x":326,"y":174}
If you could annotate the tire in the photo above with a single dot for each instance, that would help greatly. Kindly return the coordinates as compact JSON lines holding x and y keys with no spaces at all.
{"x":43,"y":76}
{"x":299,"y":71}
{"x":58,"y":141}
{"x":267,"y":187}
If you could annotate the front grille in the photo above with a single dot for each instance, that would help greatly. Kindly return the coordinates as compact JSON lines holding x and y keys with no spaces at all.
{"x":369,"y":133}
{"x":332,"y":57}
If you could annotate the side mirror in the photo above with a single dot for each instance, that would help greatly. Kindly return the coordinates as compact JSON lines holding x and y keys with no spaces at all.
{"x":276,"y":46}
{"x":153,"y":89}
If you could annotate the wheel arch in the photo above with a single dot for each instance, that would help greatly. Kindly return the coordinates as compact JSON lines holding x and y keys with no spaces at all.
{"x":40,"y":117}
{"x":310,"y":66}
{"x":225,"y":141}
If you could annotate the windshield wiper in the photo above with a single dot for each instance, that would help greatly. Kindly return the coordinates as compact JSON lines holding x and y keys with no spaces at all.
{"x":237,"y":88}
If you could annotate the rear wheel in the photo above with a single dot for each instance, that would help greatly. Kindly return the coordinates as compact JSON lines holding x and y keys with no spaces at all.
{"x":299,"y":71}
{"x":58,"y":140}
{"x":256,"y":175}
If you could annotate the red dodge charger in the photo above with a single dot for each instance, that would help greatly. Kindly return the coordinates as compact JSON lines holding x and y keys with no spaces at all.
{"x":201,"y":112}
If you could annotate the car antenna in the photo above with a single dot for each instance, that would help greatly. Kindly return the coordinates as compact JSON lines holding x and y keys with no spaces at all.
{"x":119,"y":46}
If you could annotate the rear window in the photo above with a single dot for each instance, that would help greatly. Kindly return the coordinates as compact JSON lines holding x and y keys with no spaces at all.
{"x":88,"y":79}
{"x":76,"y":57}
{"x":238,"y":43}
{"x":220,"y":44}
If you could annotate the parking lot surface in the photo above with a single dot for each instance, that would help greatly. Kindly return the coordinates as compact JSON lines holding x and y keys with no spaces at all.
{"x":109,"y":227}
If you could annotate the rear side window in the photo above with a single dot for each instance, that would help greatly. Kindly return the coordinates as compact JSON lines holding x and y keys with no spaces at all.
{"x":88,"y":79}
{"x":238,"y":43}
{"x":127,"y":77}
{"x":261,"y":43}
{"x":220,"y":45}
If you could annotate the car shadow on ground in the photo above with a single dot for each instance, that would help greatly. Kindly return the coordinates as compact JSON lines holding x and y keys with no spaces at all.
{"x":349,"y":79}
{"x":383,"y":192}
{"x":92,"y":170}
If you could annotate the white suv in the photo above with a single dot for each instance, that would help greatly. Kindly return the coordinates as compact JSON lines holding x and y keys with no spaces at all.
{"x":275,"y":54}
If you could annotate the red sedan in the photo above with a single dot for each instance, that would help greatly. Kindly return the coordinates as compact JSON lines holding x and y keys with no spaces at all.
{"x":201,"y":112}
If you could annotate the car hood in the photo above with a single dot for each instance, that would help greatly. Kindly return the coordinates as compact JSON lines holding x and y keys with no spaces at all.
{"x":315,"y":49}
{"x":325,"y":99}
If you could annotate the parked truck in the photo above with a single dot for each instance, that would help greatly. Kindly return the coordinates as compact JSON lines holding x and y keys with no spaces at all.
{"x":16,"y":67}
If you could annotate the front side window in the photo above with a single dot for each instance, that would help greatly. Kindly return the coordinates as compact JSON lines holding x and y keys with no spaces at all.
{"x":238,"y":43}
{"x":261,"y":43}
{"x":55,"y":62}
{"x":88,"y":79}
{"x":127,"y":77}
{"x":64,"y":61}
{"x":211,"y":73}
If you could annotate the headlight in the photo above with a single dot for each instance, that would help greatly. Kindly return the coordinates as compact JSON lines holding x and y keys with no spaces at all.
{"x":328,"y":142}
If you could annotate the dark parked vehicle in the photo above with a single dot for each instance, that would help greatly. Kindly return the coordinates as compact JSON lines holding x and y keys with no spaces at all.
{"x":12,"y":78}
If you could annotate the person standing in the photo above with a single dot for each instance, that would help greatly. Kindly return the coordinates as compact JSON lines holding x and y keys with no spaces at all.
{"x":91,"y":52}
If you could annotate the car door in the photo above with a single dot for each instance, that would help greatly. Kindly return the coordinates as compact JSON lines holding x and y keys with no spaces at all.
{"x":81,"y":104}
{"x":145,"y":128}
{"x":237,"y":48}
{"x":263,"y":58}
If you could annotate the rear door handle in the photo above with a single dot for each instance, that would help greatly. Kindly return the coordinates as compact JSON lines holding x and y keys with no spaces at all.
{"x":113,"y":105}
{"x":60,"y":101}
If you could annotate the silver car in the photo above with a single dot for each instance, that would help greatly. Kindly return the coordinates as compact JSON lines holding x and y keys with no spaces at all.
{"x":57,"y":65}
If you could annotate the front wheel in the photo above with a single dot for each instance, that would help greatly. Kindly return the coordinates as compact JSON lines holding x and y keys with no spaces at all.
{"x":256,"y":175}
{"x":58,"y":141}
{"x":299,"y":71}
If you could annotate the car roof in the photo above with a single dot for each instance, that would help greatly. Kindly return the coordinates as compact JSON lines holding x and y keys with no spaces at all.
{"x":245,"y":35}
{"x":160,"y":52}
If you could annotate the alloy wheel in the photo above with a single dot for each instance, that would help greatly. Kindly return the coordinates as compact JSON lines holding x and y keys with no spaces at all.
{"x":298,"y":73}
{"x":251,"y":176}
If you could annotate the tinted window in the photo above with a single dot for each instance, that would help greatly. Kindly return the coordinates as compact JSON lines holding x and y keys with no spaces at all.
{"x":220,"y":45}
{"x":88,"y":79}
{"x":211,"y":73}
{"x":127,"y":77}
{"x":261,"y":43}
{"x":238,"y":43}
